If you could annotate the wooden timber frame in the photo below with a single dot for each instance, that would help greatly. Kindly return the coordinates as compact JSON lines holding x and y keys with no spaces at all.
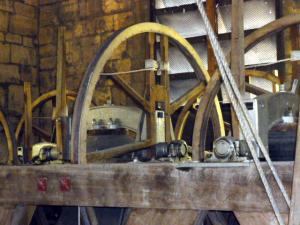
{"x":229,"y":187}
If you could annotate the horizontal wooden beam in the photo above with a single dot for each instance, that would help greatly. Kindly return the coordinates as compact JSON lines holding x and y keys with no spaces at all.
{"x":217,"y":186}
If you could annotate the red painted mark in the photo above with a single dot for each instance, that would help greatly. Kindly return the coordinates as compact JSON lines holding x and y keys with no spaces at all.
{"x":42,"y":184}
{"x":65,"y":184}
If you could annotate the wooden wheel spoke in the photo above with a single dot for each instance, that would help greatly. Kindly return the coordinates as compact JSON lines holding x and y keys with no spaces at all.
{"x":262,"y":74}
{"x":133,"y":93}
{"x":41,"y":133}
{"x":255,"y":90}
{"x":191,"y":94}
{"x":117,"y":151}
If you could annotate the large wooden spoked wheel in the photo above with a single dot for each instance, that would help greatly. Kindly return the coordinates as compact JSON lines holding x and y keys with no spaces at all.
{"x":41,"y":100}
{"x":213,"y":87}
{"x":92,"y":76}
{"x":10,"y":156}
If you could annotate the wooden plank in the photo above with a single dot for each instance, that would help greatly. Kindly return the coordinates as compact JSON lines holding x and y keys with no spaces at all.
{"x":237,"y":54}
{"x":117,"y":151}
{"x":159,"y":216}
{"x":294,"y":216}
{"x":258,"y":218}
{"x":145,"y":185}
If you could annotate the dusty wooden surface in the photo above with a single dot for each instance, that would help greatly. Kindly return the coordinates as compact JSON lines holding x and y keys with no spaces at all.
{"x":165,"y":217}
{"x":257,"y":218}
{"x":143,"y":186}
{"x":6,"y":215}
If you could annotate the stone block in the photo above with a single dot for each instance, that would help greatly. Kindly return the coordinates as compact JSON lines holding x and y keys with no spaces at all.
{"x":9,"y":73}
{"x":89,"y":8}
{"x":4,"y":18}
{"x":47,"y":81}
{"x":104,"y":24}
{"x":68,"y":11}
{"x":23,"y":25}
{"x":28,"y":42}
{"x":16,"y":99}
{"x":122,"y":20}
{"x":25,"y":10}
{"x":47,"y":50}
{"x":5,"y":53}
{"x":1,"y":36}
{"x":13,"y":38}
{"x":48,"y":63}
{"x":47,"y":35}
{"x":3,"y":96}
{"x":48,"y":15}
{"x":32,"y":2}
{"x":112,"y":6}
{"x":23,"y":55}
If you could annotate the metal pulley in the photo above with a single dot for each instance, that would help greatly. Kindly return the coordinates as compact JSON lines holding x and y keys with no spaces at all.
{"x":224,"y":148}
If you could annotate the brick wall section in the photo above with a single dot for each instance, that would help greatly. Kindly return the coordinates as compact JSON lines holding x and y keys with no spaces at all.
{"x":88,"y":24}
{"x":18,"y":45}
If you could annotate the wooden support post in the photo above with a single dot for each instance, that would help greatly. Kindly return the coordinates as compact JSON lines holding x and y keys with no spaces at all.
{"x":237,"y":54}
{"x":25,"y":72}
{"x":150,"y":82}
{"x":295,"y":36}
{"x":28,"y":122}
{"x":213,"y":19}
{"x":61,"y":108}
{"x":165,"y":82}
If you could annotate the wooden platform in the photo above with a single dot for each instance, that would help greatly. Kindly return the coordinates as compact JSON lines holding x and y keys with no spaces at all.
{"x":233,"y":187}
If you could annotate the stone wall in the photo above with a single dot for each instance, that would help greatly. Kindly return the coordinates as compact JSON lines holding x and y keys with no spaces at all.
{"x":18,"y":45}
{"x":28,"y":35}
{"x":88,"y":24}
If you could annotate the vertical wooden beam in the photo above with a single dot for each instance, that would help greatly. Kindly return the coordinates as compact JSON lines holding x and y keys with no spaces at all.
{"x":213,"y":19}
{"x":61,"y":109}
{"x":28,"y":122}
{"x":150,"y":82}
{"x":294,"y":217}
{"x":237,"y":53}
{"x":295,"y":42}
{"x":165,"y":81}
